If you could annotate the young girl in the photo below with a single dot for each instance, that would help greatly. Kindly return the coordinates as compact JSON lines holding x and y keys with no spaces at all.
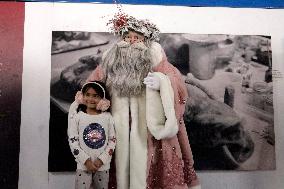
{"x":91,"y":136}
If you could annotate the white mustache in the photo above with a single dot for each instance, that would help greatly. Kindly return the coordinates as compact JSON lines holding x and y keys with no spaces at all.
{"x":140,"y":45}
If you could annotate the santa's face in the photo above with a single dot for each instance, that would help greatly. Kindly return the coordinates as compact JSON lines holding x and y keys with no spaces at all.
{"x":133,"y":37}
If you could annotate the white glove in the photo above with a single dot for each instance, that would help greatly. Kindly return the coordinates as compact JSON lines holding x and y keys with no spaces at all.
{"x":152,"y":81}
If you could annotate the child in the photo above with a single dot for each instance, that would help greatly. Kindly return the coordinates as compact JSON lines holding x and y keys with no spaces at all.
{"x":91,"y":136}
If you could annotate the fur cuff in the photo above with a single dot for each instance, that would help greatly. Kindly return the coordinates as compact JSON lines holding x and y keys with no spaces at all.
{"x":160,"y":112}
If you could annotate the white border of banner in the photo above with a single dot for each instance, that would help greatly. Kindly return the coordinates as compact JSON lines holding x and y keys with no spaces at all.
{"x":42,"y":18}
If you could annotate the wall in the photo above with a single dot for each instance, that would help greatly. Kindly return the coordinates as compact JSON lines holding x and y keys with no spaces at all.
{"x":42,"y":18}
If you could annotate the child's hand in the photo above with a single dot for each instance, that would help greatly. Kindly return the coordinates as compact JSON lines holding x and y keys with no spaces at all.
{"x":98,"y":163}
{"x":90,"y":166}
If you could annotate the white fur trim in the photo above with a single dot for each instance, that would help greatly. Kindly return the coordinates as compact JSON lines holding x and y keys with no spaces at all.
{"x":138,"y":143}
{"x":130,"y":153}
{"x":156,"y":53}
{"x":120,"y":113}
{"x":195,"y":187}
{"x":160,"y":112}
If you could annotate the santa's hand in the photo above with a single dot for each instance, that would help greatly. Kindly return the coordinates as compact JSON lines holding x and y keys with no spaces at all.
{"x":152,"y":81}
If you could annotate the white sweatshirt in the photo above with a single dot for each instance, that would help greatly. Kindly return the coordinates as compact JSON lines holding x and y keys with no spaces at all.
{"x":91,"y":136}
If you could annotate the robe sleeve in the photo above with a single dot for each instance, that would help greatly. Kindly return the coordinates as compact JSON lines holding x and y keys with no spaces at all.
{"x":160,"y":112}
{"x":73,"y":135}
{"x":180,"y":98}
{"x":177,"y":82}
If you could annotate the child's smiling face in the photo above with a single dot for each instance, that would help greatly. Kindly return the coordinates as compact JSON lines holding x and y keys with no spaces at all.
{"x":91,"y":98}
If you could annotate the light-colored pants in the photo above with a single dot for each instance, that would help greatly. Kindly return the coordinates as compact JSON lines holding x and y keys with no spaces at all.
{"x":88,"y":180}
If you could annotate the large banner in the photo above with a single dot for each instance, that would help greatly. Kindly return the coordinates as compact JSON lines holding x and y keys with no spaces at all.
{"x":227,"y":58}
{"x":230,"y":58}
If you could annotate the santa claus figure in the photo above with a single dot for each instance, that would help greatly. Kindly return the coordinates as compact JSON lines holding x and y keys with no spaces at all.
{"x":148,"y":98}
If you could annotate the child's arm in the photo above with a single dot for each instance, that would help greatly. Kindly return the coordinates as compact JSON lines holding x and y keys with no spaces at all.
{"x":73,"y":135}
{"x":105,"y":157}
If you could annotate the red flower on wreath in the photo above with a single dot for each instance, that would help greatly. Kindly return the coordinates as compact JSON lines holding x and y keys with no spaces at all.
{"x":118,"y":22}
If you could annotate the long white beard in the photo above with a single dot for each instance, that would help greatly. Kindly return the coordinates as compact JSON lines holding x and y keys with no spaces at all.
{"x":125,"y":67}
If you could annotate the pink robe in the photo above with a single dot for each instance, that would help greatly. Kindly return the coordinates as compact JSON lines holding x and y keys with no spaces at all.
{"x":169,"y":161}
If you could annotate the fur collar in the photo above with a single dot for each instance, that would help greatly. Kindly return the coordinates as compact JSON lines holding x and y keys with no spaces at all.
{"x":160,"y":112}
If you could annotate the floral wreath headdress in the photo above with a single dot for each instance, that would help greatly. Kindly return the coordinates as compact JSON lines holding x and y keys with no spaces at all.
{"x":122,"y":23}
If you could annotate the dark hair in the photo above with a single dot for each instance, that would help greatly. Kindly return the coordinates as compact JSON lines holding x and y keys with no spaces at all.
{"x":97,"y":86}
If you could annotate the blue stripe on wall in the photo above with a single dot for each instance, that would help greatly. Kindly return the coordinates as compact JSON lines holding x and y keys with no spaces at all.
{"x":199,"y":3}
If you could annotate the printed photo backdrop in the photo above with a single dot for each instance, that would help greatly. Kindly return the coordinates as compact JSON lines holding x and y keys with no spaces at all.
{"x":229,"y":115}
